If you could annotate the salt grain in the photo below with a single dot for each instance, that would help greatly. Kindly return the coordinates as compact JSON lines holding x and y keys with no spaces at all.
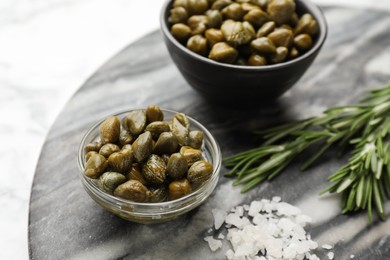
{"x":214,"y":244}
{"x":219,"y":217}
{"x":352,"y":256}
{"x":330,"y":255}
{"x":327,"y":247}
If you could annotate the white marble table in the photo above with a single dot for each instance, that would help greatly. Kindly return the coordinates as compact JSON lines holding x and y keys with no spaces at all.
{"x":47,"y":49}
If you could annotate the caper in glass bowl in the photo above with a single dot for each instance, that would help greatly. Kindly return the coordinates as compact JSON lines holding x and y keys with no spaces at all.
{"x":148,"y":180}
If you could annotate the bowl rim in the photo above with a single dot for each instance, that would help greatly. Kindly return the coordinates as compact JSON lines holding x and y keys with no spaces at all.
{"x":214,"y":177}
{"x":313,"y":9}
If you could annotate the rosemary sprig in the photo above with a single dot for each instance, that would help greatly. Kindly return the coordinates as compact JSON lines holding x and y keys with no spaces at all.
{"x":363,"y":182}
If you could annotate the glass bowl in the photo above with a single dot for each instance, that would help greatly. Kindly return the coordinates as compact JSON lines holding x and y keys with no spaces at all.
{"x":148,"y":213}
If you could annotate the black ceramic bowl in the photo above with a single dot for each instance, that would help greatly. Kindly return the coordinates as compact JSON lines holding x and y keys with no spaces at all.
{"x":241,"y":84}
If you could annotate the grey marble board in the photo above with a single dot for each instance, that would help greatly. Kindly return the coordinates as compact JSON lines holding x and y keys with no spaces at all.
{"x":64,"y":223}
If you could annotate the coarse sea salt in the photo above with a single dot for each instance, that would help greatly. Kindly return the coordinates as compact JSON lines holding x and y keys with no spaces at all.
{"x":265,"y":230}
{"x":214,"y":244}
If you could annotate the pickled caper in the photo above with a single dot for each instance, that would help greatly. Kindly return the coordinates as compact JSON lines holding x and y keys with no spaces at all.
{"x":154,"y":113}
{"x":166,"y":144}
{"x":181,"y":32}
{"x":135,"y":122}
{"x":178,"y":15}
{"x":196,"y":139}
{"x":142,"y":146}
{"x":233,"y":11}
{"x":223,"y":52}
{"x":133,"y":190}
{"x":198,"y":44}
{"x":263,"y":45}
{"x":121,"y":161}
{"x":95,"y":166}
{"x":281,"y":37}
{"x":110,"y":180}
{"x":154,"y":170}
{"x":110,"y":129}
{"x":303,"y":42}
{"x":257,"y":60}
{"x":220,"y":4}
{"x":214,"y":36}
{"x":177,"y":166}
{"x":281,"y":10}
{"x":279,"y":56}
{"x":190,"y":154}
{"x":95,"y":146}
{"x":199,"y":172}
{"x":156,"y":128}
{"x":178,"y":189}
{"x":214,"y":18}
{"x":109,"y":149}
{"x":266,"y":29}
{"x":257,"y":17}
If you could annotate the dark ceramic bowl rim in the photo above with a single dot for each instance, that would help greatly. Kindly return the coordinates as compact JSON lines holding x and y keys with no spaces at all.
{"x":312,"y":9}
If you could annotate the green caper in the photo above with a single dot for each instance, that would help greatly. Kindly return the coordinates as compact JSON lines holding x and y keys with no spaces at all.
{"x":135,"y":173}
{"x":303,"y":42}
{"x":306,"y":24}
{"x":135,"y":122}
{"x":178,"y":15}
{"x":178,"y":189}
{"x":198,"y":44}
{"x":223,"y":52}
{"x":109,"y":149}
{"x":214,"y":36}
{"x":220,"y":4}
{"x":281,"y":37}
{"x":198,"y":23}
{"x":266,"y":29}
{"x":256,"y":17}
{"x":142,"y":146}
{"x":180,"y":132}
{"x":263,"y":45}
{"x":249,"y":6}
{"x":281,"y":10}
{"x":110,"y":129}
{"x":257,"y":60}
{"x":110,"y":180}
{"x":166,"y":144}
{"x":95,"y":146}
{"x":121,"y":161}
{"x":177,"y":166}
{"x":197,"y":6}
{"x":133,"y":190}
{"x":157,"y":127}
{"x":214,"y":18}
{"x":181,"y":32}
{"x":233,"y":11}
{"x":293,"y":53}
{"x":196,"y":139}
{"x":199,"y":172}
{"x":182,"y":118}
{"x":159,"y":194}
{"x":237,"y":33}
{"x":154,"y":170}
{"x":89,"y":154}
{"x":154,"y":113}
{"x":95,"y":166}
{"x":125,"y":137}
{"x":279,"y":56}
{"x":190,"y":154}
